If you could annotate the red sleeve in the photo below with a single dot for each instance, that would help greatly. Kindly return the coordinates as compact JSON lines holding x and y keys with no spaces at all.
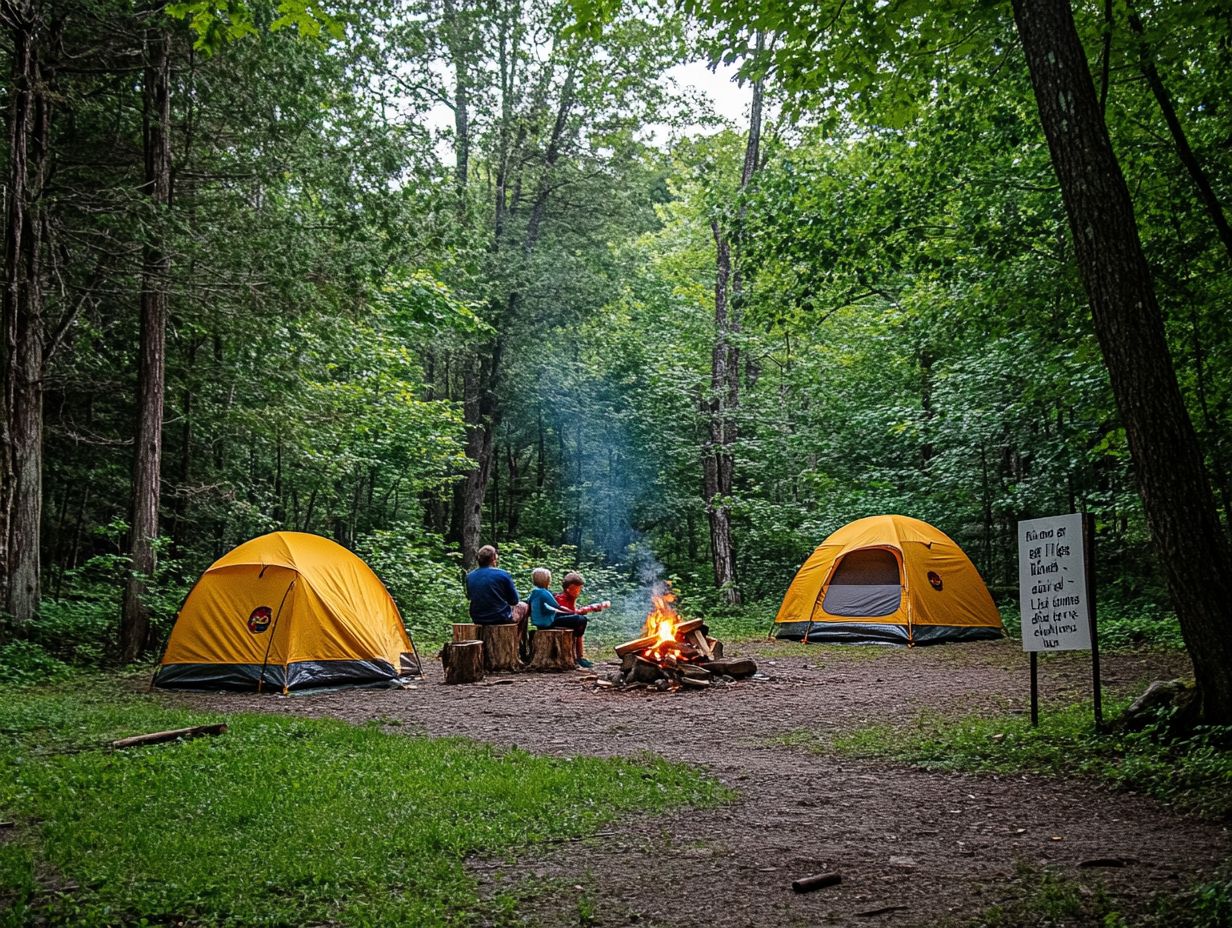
{"x":562,"y":600}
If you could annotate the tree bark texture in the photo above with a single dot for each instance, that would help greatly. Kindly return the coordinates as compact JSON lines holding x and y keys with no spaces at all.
{"x":29,"y":128}
{"x":457,"y":40}
{"x":718,"y":465}
{"x":552,"y":650}
{"x":1176,"y":494}
{"x":462,"y":661}
{"x":151,"y":378}
{"x":500,"y":648}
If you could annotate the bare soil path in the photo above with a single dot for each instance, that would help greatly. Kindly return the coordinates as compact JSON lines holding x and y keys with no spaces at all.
{"x":934,"y":848}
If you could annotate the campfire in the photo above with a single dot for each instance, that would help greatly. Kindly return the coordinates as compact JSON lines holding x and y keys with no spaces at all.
{"x":673,"y":652}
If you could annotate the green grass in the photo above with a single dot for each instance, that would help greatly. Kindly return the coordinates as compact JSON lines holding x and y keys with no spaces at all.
{"x":1194,"y":774}
{"x":1041,"y":898}
{"x":279,"y":821}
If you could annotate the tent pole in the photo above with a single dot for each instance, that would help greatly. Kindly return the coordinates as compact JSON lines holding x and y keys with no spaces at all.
{"x":273,"y":629}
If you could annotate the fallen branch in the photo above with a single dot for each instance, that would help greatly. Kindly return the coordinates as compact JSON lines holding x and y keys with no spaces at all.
{"x":809,"y":883}
{"x":176,"y":734}
{"x":884,"y":910}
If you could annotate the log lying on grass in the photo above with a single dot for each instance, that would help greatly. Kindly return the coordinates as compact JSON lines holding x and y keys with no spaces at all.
{"x":175,"y":734}
{"x":463,"y":661}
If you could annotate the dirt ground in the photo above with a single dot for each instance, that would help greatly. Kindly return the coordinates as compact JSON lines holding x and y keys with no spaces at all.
{"x":935,"y":849}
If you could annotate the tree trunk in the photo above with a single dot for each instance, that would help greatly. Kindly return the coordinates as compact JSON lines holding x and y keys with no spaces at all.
{"x":457,"y":41}
{"x":479,"y":414}
{"x":156,"y":267}
{"x":718,"y":465}
{"x":501,"y":645}
{"x":29,"y":128}
{"x":1175,"y":491}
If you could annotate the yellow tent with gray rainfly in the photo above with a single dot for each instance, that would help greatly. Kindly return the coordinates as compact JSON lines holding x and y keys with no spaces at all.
{"x":889,"y":579}
{"x":287,"y":611}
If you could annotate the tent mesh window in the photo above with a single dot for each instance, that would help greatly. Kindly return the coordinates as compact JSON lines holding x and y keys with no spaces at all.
{"x":866,"y":583}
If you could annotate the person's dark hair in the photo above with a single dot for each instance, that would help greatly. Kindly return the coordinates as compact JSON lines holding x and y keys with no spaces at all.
{"x":571,"y":578}
{"x":485,"y":556}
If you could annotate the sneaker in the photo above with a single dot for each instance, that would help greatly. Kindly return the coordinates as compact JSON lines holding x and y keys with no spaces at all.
{"x":583,"y":662}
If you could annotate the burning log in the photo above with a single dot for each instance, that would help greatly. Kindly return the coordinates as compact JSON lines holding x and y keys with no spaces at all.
{"x":673,"y":653}
{"x":637,"y":644}
{"x":702,"y":645}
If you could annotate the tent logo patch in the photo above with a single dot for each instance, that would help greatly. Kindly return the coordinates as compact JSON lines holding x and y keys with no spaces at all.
{"x":934,"y":579}
{"x":260,"y":619}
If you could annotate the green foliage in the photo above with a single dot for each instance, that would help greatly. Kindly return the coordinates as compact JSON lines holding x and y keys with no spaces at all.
{"x":352,"y":331}
{"x":279,"y":821}
{"x":1140,"y":625}
{"x":25,"y":662}
{"x":1123,"y":626}
{"x":215,"y":24}
{"x":1194,"y":773}
{"x":1042,"y":897}
{"x":423,"y":576}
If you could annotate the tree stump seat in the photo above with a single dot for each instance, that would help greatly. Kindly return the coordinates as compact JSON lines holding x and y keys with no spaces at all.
{"x":463,"y":661}
{"x":552,"y":650}
{"x":500,"y":648}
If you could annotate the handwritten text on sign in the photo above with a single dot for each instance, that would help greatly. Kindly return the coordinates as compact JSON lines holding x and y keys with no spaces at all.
{"x":1052,"y":585}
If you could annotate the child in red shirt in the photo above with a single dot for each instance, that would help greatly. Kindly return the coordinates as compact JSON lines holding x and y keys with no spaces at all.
{"x":567,"y":599}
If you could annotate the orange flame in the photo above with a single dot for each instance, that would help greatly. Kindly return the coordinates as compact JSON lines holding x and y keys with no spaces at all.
{"x":661,"y":623}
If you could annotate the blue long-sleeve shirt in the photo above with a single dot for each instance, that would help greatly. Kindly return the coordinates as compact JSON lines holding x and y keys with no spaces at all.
{"x":492,"y":595}
{"x":543,"y":607}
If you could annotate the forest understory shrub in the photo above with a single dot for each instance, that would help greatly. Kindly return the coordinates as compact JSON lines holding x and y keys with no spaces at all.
{"x":1122,"y":626}
{"x":1191,"y":772}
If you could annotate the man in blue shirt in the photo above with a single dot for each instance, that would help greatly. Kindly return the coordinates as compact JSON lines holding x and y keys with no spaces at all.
{"x":491,"y":591}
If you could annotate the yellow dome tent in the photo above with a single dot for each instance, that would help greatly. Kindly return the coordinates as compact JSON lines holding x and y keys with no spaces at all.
{"x":888,"y":579}
{"x":287,"y":611}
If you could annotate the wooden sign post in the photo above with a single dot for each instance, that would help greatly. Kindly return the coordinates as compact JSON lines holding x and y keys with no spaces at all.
{"x":1056,"y":577}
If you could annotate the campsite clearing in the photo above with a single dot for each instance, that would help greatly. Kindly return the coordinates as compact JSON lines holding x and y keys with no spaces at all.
{"x":945,"y":847}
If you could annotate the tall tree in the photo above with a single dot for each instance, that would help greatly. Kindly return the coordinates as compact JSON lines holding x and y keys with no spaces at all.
{"x":1167,"y":458}
{"x":151,"y":376}
{"x":723,"y":402}
{"x":29,"y":127}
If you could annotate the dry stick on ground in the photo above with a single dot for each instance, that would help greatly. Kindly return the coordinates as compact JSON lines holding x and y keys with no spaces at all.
{"x":809,"y":883}
{"x":159,"y":737}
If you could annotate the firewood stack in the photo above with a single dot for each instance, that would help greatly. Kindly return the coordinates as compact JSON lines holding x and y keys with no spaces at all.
{"x":689,"y":660}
